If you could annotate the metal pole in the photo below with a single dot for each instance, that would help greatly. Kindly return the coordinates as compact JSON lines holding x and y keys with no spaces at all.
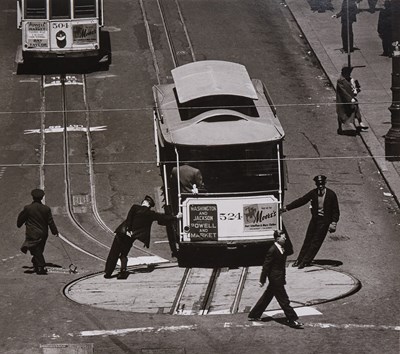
{"x":348,"y":34}
{"x":392,"y":138}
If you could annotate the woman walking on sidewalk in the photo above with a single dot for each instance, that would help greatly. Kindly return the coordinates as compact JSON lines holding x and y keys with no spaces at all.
{"x":348,"y":111}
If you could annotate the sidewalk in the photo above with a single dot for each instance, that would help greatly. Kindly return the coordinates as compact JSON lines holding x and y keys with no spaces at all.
{"x":372,"y":70}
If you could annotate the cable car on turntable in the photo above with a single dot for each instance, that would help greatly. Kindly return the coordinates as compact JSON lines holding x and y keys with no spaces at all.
{"x":218,"y":120}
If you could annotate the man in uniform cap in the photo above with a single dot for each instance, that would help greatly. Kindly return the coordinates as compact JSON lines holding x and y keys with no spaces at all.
{"x":324,"y":217}
{"x":37,"y":218}
{"x":137,"y":226}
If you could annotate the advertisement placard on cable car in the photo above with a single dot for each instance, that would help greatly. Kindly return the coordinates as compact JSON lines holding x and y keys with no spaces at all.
{"x":84,"y":33}
{"x":37,"y":34}
{"x":260,"y":216}
{"x":203,"y":222}
{"x":230,"y":218}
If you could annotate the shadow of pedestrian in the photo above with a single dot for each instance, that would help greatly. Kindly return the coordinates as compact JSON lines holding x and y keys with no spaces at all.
{"x":327,"y":262}
{"x":283,"y":321}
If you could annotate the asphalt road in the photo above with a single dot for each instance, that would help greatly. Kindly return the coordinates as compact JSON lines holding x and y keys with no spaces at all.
{"x":262,"y":36}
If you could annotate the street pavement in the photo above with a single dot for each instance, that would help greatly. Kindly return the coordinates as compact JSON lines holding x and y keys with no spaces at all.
{"x":152,"y":287}
{"x":309,"y":286}
{"x":372,"y":70}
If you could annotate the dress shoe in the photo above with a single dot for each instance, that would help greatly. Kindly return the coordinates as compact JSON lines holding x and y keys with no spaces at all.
{"x":295,"y":324}
{"x":41,"y":271}
{"x":107,"y":276}
{"x":363,"y":126}
{"x":295,"y":264}
{"x":303,"y":265}
{"x":254,"y":318}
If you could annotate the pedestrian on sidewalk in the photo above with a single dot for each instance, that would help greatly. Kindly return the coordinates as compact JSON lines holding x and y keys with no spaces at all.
{"x":385,"y":28}
{"x":37,"y":218}
{"x":371,"y":5}
{"x":137,"y":226}
{"x":324,"y":217}
{"x":348,"y":15}
{"x":274,"y":268}
{"x":347,"y":108}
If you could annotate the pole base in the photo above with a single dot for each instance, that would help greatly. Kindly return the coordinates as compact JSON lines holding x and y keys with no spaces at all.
{"x":392,"y":149}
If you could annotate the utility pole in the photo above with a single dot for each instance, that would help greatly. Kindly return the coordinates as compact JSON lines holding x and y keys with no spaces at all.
{"x":392,"y":137}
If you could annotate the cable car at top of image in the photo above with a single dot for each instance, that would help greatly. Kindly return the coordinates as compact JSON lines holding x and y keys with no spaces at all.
{"x":59,"y":28}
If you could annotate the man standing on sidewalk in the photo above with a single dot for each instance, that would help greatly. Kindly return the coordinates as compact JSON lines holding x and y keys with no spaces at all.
{"x":385,"y":28}
{"x":324,"y":217}
{"x":348,"y":15}
{"x":37,"y":218}
{"x":274,"y":268}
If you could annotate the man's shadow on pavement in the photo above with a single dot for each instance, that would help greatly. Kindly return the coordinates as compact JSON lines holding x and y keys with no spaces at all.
{"x":124,"y":275}
{"x":327,"y":262}
{"x":31,"y":269}
{"x":280,"y":320}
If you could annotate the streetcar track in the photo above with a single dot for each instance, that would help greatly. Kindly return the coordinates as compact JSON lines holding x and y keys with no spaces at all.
{"x":206,"y":301}
{"x":66,"y":164}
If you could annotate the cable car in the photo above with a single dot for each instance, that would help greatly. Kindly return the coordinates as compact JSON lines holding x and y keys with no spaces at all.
{"x":222,"y":124}
{"x":59,"y":28}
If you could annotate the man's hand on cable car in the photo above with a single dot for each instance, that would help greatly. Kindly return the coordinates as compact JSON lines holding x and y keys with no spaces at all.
{"x":283,"y":210}
{"x":179,"y":215}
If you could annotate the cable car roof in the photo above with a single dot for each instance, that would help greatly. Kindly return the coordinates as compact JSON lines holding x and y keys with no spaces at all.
{"x":215,"y":125}
{"x":212,"y":77}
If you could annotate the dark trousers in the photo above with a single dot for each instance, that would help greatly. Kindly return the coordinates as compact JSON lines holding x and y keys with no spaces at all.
{"x":347,"y":39}
{"x":315,"y":236}
{"x":387,"y":44}
{"x":37,"y":255}
{"x":276,"y":289}
{"x":120,"y":248}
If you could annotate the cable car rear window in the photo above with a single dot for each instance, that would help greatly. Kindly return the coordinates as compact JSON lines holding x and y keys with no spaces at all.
{"x":84,"y":8}
{"x":35,"y":9}
{"x":195,"y":107}
{"x":60,"y":9}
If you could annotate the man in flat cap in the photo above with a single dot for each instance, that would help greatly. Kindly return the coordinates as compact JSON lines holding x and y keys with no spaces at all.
{"x":324,"y":217}
{"x":137,"y":226}
{"x":37,"y":218}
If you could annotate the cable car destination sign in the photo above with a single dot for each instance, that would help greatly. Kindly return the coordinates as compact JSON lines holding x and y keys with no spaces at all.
{"x":203,"y":222}
{"x":229,"y":219}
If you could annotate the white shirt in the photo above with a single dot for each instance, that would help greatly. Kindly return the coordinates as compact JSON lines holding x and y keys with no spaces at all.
{"x":280,"y":248}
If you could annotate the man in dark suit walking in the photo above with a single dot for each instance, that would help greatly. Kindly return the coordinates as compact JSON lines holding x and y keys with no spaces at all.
{"x":274,"y":268}
{"x":324,"y":217}
{"x":37,"y":218}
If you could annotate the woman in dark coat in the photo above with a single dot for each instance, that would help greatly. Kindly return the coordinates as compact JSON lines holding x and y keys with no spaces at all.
{"x":348,"y":111}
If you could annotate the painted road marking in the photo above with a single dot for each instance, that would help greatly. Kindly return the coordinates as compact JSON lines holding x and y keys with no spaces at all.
{"x":144,"y":260}
{"x":163,"y":329}
{"x":114,"y":332}
{"x":71,"y":128}
{"x":301,"y":311}
{"x":57,"y":81}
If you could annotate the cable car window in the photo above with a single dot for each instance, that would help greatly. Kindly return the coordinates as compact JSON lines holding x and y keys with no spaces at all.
{"x":84,"y":8}
{"x":35,"y":9}
{"x":60,"y":9}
